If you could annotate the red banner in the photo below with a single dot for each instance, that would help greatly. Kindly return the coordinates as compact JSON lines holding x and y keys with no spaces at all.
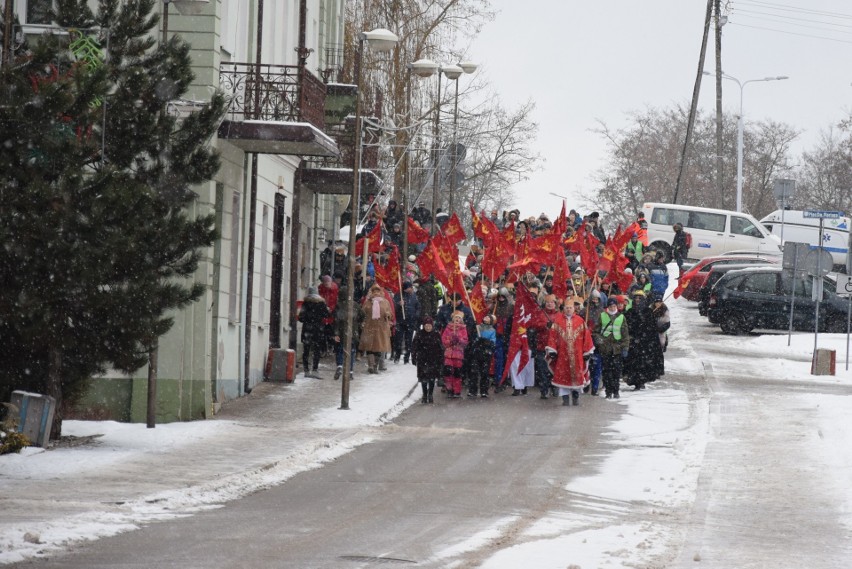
{"x":416,"y":234}
{"x":375,"y":238}
{"x":528,"y":314}
{"x":453,"y":230}
{"x":388,"y":275}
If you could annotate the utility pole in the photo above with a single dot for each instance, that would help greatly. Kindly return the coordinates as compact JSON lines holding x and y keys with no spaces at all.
{"x":695,"y":92}
{"x":720,"y":190}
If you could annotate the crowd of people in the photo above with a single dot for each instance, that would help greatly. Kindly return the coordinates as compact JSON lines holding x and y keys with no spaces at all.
{"x":563,"y":328}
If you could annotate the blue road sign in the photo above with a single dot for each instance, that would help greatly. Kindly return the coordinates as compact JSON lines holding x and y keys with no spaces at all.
{"x":821,"y":213}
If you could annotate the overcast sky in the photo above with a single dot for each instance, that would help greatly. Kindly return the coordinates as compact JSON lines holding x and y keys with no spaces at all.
{"x":584,"y":61}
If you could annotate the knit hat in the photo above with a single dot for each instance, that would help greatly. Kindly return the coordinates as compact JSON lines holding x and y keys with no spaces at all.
{"x":428,"y":320}
{"x":638,"y":292}
{"x":312,"y":291}
{"x":611,"y":301}
{"x":406,"y":285}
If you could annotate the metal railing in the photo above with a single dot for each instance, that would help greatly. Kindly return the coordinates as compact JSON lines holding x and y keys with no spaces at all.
{"x":274,"y":93}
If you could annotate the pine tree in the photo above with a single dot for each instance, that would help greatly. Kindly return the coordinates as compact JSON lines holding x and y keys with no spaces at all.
{"x":98,"y":237}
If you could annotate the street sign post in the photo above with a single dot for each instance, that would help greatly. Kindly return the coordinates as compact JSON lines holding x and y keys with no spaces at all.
{"x":844,"y":288}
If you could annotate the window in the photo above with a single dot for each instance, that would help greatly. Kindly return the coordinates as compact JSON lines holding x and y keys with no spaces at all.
{"x":38,"y":11}
{"x":804,"y":286}
{"x":708,"y":221}
{"x":763,"y":283}
{"x":742,"y":226}
{"x":669,"y":216}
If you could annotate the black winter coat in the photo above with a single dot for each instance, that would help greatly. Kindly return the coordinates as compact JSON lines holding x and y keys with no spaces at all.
{"x":477,"y":358}
{"x":314,"y":311}
{"x":427,"y":353}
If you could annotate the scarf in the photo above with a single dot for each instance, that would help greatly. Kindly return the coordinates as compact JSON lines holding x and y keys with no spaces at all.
{"x":377,"y":308}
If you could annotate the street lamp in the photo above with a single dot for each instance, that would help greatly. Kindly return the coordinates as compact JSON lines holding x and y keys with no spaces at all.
{"x":466,"y":67}
{"x":423,"y":68}
{"x":740,"y":126}
{"x":452,"y":72}
{"x":380,"y":40}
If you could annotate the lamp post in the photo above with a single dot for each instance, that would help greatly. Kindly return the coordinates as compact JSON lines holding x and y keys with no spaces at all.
{"x":452,"y":72}
{"x":380,"y":40}
{"x":466,"y":67}
{"x":422,"y":68}
{"x":740,"y":128}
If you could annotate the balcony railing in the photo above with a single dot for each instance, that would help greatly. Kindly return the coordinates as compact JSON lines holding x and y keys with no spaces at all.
{"x":274,"y":93}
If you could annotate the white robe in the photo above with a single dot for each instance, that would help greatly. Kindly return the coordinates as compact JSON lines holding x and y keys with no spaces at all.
{"x":525,"y":377}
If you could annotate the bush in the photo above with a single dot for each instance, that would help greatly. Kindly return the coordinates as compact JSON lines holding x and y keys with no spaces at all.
{"x":10,"y":439}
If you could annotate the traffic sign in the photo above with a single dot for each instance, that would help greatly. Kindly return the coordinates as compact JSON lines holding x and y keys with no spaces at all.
{"x":818,"y":262}
{"x":822,"y":213}
{"x":844,"y":285}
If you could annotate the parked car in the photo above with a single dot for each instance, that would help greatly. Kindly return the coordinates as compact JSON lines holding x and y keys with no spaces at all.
{"x":760,"y":297}
{"x":713,"y":231}
{"x":713,"y":277}
{"x":707,"y":263}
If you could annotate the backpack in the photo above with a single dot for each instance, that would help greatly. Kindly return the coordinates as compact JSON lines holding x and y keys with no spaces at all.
{"x":688,"y":239}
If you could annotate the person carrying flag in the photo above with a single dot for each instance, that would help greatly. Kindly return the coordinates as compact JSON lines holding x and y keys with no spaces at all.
{"x":569,"y":348}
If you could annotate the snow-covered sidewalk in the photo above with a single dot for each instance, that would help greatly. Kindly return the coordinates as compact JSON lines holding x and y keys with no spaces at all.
{"x":126,"y":475}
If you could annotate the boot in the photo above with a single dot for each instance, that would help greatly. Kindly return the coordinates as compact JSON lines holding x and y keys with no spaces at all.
{"x":381,"y":358}
{"x":338,"y":372}
{"x":576,"y":396}
{"x":371,"y":363}
{"x":430,"y":392}
{"x":566,"y":400}
{"x":405,"y":357}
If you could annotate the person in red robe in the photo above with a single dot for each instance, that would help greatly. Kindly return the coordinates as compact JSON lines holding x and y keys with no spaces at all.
{"x":569,"y":347}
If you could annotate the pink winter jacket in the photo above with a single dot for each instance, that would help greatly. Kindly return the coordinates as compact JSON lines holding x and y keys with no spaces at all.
{"x":454,"y":339}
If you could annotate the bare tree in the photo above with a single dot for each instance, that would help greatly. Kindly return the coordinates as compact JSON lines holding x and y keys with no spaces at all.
{"x":825,"y":177}
{"x":644,"y":163}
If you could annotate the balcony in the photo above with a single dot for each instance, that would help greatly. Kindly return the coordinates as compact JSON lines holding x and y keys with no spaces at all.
{"x":275,"y":109}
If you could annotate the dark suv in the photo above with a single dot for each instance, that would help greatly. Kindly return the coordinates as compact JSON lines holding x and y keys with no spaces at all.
{"x":713,"y":276}
{"x":759,"y":297}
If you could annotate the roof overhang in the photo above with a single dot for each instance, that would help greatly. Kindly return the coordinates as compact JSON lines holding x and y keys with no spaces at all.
{"x":339,"y":181}
{"x":278,"y":137}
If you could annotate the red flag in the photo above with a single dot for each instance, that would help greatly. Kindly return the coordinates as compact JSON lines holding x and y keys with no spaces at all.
{"x":588,"y":245}
{"x":430,"y":263}
{"x":561,"y":274}
{"x":477,"y":303}
{"x":610,"y":253}
{"x":561,"y":224}
{"x":621,"y":238}
{"x":453,"y":231}
{"x":507,"y":240}
{"x":684,"y":281}
{"x":528,"y":263}
{"x":455,"y":284}
{"x":388,"y":275}
{"x":448,"y":252}
{"x":486,"y":232}
{"x":416,"y":234}
{"x":375,"y":237}
{"x":528,"y":314}
{"x":544,"y":247}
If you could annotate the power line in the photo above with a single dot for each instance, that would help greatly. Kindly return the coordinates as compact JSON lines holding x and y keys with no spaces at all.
{"x":848,"y":29}
{"x":788,"y":8}
{"x":790,"y":33}
{"x":794,"y":20}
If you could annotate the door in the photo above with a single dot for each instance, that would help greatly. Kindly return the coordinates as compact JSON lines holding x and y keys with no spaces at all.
{"x":744,"y":234}
{"x":803,"y":305}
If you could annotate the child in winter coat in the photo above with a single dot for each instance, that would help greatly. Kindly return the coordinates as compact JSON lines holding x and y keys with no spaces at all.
{"x":426,"y":352}
{"x":478,"y":358}
{"x":454,"y":339}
